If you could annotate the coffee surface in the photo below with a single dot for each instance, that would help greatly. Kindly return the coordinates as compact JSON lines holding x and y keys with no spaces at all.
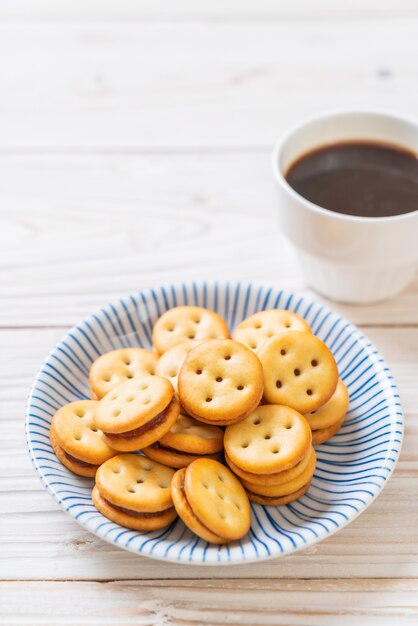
{"x":358,"y":178}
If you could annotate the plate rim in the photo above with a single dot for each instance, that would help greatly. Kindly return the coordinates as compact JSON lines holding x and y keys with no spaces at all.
{"x":366,"y":343}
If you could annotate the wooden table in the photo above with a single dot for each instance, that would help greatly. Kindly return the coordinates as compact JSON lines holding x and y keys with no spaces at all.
{"x":135,"y":142}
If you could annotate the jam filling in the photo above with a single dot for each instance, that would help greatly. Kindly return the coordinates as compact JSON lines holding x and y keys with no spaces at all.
{"x":74,"y":459}
{"x":156,"y":421}
{"x":157,"y":445}
{"x":136,"y":513}
{"x":268,"y":497}
{"x":183,"y":490}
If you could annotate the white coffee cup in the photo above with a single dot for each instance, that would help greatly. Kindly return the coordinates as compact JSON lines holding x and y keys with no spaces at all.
{"x":345,"y":257}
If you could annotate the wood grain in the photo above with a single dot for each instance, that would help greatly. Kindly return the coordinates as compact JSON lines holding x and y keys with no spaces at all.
{"x":219,"y":602}
{"x":135,"y":142}
{"x":187,"y":85}
{"x":382,"y":540}
{"x":77,"y":232}
{"x":219,"y":10}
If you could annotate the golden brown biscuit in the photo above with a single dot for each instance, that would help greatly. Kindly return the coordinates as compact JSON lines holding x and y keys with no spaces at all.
{"x":279,"y":501}
{"x":185,"y":442}
{"x":322,"y":435}
{"x":185,"y":512}
{"x":135,"y":492}
{"x":271,"y":479}
{"x":299,"y":371}
{"x":332,"y":411}
{"x":255,"y":330}
{"x":115,"y":367}
{"x":174,"y":458}
{"x":189,"y":435}
{"x":76,"y":439}
{"x":169,"y":364}
{"x":272,"y":439}
{"x":220,"y":382}
{"x":292,"y":486}
{"x":215,"y":497}
{"x":137,"y":412}
{"x":132,"y":519}
{"x":184,"y":323}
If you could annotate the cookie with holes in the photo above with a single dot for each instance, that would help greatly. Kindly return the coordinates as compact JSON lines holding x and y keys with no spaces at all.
{"x":220,"y":382}
{"x":272,"y":439}
{"x":211,"y":501}
{"x":255,"y":330}
{"x":323,"y":434}
{"x":332,"y":411}
{"x":185,"y":442}
{"x":279,"y":500}
{"x":278,"y":478}
{"x":185,"y":323}
{"x":76,"y":439}
{"x":135,"y":492}
{"x":137,"y":412}
{"x":169,"y":363}
{"x":115,"y":367}
{"x":286,"y":488}
{"x":299,"y":371}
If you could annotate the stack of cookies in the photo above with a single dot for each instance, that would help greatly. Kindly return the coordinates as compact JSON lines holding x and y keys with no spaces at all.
{"x":271,"y":452}
{"x":218,"y":421}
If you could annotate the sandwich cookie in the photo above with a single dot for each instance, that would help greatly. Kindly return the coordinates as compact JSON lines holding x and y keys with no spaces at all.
{"x":76,"y":439}
{"x":211,"y":501}
{"x":115,"y":367}
{"x":185,"y":442}
{"x":272,"y":439}
{"x":137,"y":412}
{"x":135,"y":492}
{"x":255,"y":330}
{"x":278,"y":478}
{"x":169,"y":363}
{"x":184,"y":323}
{"x":220,"y":382}
{"x":299,"y":371}
{"x":332,"y":411}
{"x":323,"y":434}
{"x":280,"y":500}
{"x":285,"y":489}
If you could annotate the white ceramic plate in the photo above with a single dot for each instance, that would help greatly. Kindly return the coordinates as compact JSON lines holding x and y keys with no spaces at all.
{"x":352,"y":467}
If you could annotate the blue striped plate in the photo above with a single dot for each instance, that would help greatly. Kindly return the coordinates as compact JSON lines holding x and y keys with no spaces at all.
{"x":352,"y":467}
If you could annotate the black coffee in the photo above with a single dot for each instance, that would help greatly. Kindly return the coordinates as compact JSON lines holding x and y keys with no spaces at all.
{"x":358,"y":178}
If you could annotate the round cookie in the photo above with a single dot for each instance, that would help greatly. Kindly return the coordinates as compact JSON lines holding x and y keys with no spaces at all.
{"x":185,"y":442}
{"x":185,"y":512}
{"x":169,"y":363}
{"x":280,"y":500}
{"x":322,"y":435}
{"x":255,"y":330}
{"x":275,"y":491}
{"x":135,"y":492}
{"x":184,"y":323}
{"x":220,"y":382}
{"x":271,"y":479}
{"x":272,"y":439}
{"x":299,"y":371}
{"x":174,"y":458}
{"x":76,"y":439}
{"x":115,"y":367}
{"x":332,"y":411}
{"x":137,"y":412}
{"x":215,"y":497}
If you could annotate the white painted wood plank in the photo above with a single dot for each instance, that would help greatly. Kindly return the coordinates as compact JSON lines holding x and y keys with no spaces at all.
{"x":220,"y":10}
{"x":262,"y":602}
{"x":39,"y":541}
{"x":79,"y":231}
{"x":167,"y":85}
